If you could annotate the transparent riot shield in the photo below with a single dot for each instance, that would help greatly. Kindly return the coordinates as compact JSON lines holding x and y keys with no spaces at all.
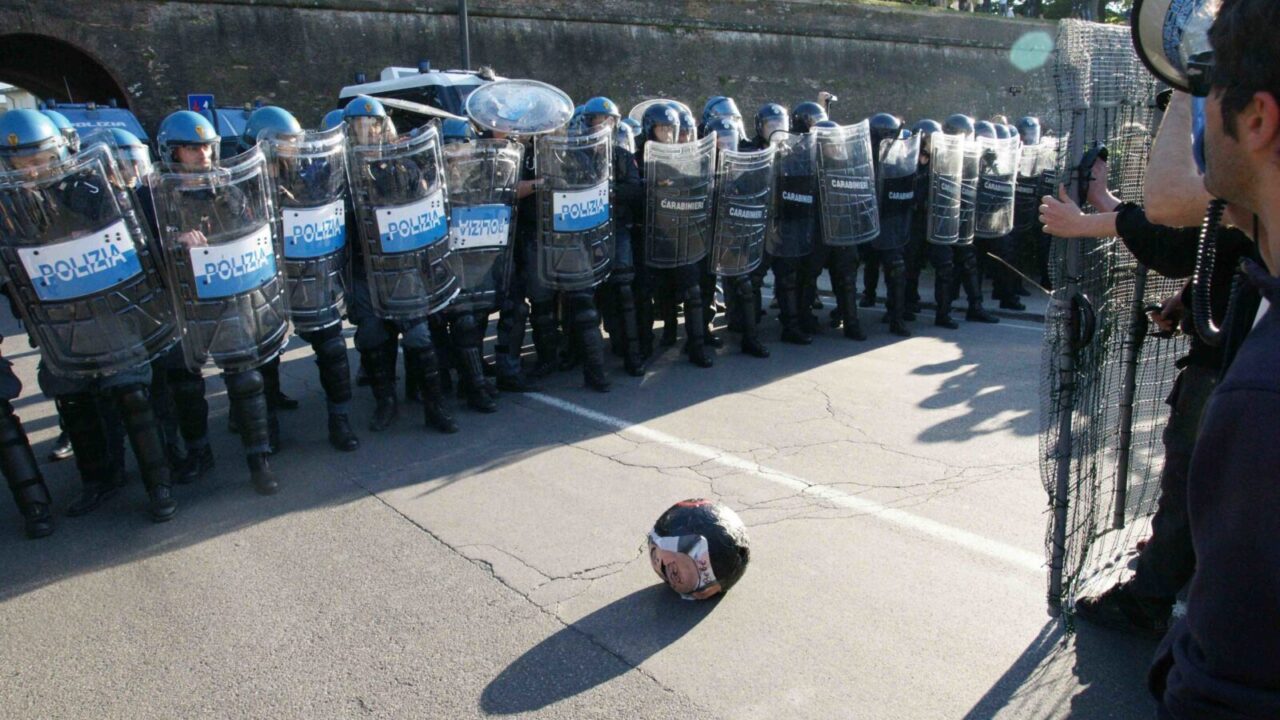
{"x":402,"y":207}
{"x":1034,"y":168}
{"x":220,"y":250}
{"x":946,"y":171}
{"x":679,"y":179}
{"x":482,"y":180}
{"x":743,"y":210}
{"x":846,"y":184}
{"x":899,"y":160}
{"x":575,"y":208}
{"x":310,"y":177}
{"x":77,"y":256}
{"x":968,"y":191}
{"x":796,"y":227}
{"x":997,"y":176}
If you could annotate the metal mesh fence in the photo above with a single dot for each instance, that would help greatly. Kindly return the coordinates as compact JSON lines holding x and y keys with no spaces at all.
{"x":1106,"y":389}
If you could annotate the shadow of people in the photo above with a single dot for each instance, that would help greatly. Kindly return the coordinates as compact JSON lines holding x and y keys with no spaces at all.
{"x":635,"y":627}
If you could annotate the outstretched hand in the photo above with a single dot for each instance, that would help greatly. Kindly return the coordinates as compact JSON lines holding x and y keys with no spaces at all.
{"x":1061,"y":217}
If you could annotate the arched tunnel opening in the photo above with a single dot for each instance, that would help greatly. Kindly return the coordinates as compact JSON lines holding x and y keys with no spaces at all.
{"x":53,"y":69}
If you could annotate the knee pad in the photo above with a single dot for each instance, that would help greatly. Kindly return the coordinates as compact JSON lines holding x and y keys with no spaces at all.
{"x":244,"y":384}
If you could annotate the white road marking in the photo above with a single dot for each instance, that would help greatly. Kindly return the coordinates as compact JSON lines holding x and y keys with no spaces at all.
{"x":1009,"y":554}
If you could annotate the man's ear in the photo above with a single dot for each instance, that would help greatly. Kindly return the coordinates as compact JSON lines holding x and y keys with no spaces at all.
{"x":1259,"y":124}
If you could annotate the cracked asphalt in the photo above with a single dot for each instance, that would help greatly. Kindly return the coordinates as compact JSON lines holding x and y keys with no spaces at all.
{"x":891,"y":489}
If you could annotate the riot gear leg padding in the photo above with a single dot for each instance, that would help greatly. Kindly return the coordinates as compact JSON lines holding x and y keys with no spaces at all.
{"x":546,"y":337}
{"x":787,"y":288}
{"x":707,"y":285}
{"x":148,"y":448}
{"x":740,"y":294}
{"x":379,"y":363}
{"x":434,"y":411}
{"x":942,"y":259}
{"x":632,"y":359}
{"x":466,"y":340}
{"x":968,"y":262}
{"x":192,"y":413}
{"x":335,"y":377}
{"x":18,"y":463}
{"x":247,"y":392}
{"x":586,"y":324}
{"x":83,"y":424}
{"x":846,"y":264}
{"x":895,"y":283}
{"x":271,"y":389}
{"x":870,"y":279}
{"x":694,"y":328}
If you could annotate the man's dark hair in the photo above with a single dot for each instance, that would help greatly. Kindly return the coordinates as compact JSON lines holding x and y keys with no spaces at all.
{"x":1246,"y":56}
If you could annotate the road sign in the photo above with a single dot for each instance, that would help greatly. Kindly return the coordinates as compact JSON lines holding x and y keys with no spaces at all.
{"x":197,"y":103}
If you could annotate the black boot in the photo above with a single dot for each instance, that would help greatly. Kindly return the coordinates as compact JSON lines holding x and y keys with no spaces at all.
{"x":977,"y":313}
{"x":271,"y":389}
{"x":335,"y":378}
{"x":695,"y":344}
{"x":471,"y":377}
{"x":195,"y":465}
{"x":18,"y":463}
{"x":192,"y":412}
{"x":670,"y":321}
{"x":707,"y":286}
{"x":546,"y":339}
{"x":382,"y":381}
{"x":586,"y":326}
{"x":249,"y":403}
{"x":434,"y":411}
{"x":789,"y":313}
{"x":631,"y":359}
{"x":808,"y":321}
{"x":942,"y":297}
{"x":83,"y":423}
{"x":148,"y":448}
{"x":973,"y":287}
{"x":741,"y":301}
{"x":852,"y":325}
{"x":895,"y":284}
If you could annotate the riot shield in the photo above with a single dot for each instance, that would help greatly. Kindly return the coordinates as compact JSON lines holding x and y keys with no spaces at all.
{"x":997,"y":174}
{"x":946,"y":170}
{"x":310,"y":178}
{"x":221,"y":245}
{"x":743,"y":210}
{"x":968,"y":191}
{"x":575,"y":219}
{"x":401,"y":204}
{"x":482,"y":180}
{"x":77,"y":256}
{"x":1035,"y":166}
{"x":679,"y":179}
{"x":899,"y":160}
{"x":793,"y":233}
{"x":846,"y":185}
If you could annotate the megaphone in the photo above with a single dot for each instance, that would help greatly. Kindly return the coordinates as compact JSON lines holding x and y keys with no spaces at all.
{"x":1172,"y":39}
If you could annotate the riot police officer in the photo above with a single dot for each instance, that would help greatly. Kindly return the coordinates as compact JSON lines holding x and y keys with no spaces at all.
{"x":889,"y":141}
{"x":53,"y":201}
{"x":402,"y":280}
{"x":311,"y":186}
{"x":771,"y":123}
{"x":915,"y":250}
{"x":190,"y":212}
{"x":965,"y":254}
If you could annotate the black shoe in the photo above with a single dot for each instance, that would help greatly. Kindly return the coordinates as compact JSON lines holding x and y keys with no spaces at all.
{"x":91,"y":496}
{"x":37,"y":521}
{"x":796,"y":336}
{"x":438,"y":417}
{"x":1012,"y":303}
{"x":384,"y":413}
{"x":754,"y":348}
{"x":668,"y":336}
{"x":341,"y":436}
{"x":899,"y":328}
{"x":945,"y":321}
{"x":517,"y":384}
{"x":478,"y":398}
{"x":194,"y":465}
{"x":1119,"y":609}
{"x":160,"y":504}
{"x":977,"y":313}
{"x":853,"y":331}
{"x":597,"y":381}
{"x":634,"y":365}
{"x":867,"y":301}
{"x":712,"y":340}
{"x":284,"y":402}
{"x":260,"y":474}
{"x":61,"y":448}
{"x":700,"y":356}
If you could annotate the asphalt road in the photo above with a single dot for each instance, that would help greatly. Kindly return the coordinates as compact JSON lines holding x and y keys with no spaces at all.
{"x":891,"y":489}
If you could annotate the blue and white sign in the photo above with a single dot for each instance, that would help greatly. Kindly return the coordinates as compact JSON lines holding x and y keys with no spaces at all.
{"x":581,"y":209}
{"x":314,"y":232}
{"x":481,"y":226}
{"x":200,"y":102}
{"x":234,"y":267}
{"x":86,"y":265}
{"x":413,"y":226}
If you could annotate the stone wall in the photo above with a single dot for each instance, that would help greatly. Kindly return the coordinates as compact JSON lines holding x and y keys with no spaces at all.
{"x":298,"y":53}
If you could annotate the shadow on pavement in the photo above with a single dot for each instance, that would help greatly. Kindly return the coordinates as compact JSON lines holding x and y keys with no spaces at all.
{"x":640,"y":625}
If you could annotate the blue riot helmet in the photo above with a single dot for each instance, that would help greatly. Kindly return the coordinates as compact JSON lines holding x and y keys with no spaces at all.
{"x":883,"y":126}
{"x":726,"y":132}
{"x":984,"y":129}
{"x":331,"y":120}
{"x":634,"y":124}
{"x":367,"y":121}
{"x":925,"y":129}
{"x":454,"y":130}
{"x":65,"y":127}
{"x":1002,"y":131}
{"x":959,"y":124}
{"x":625,"y":137}
{"x":182,"y":132}
{"x":600,"y":110}
{"x":688,"y":127}
{"x":711,"y":102}
{"x":29,"y":139}
{"x":268,"y":118}
{"x":1029,"y":129}
{"x":771,"y":118}
{"x":661,"y":123}
{"x":723,"y":107}
{"x":133,"y":157}
{"x":806,"y":115}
